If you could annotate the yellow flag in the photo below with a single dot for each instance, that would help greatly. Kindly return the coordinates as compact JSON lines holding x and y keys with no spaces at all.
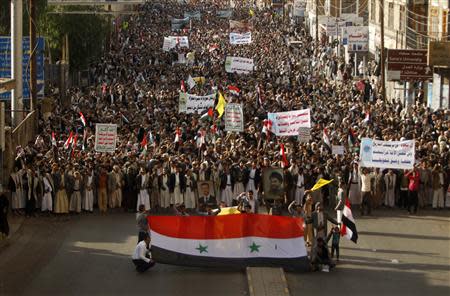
{"x":251,"y":12}
{"x":321,"y":183}
{"x":228,"y":211}
{"x":221,"y":105}
{"x":199,"y":80}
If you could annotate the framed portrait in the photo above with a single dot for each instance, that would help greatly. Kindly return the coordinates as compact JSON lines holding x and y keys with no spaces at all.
{"x":273,"y":183}
{"x":206,"y":192}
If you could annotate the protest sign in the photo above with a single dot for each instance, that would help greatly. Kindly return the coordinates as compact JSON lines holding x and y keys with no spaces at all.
{"x":191,"y":103}
{"x":238,"y":65}
{"x":172,"y":42}
{"x":234,"y":118}
{"x":227,"y":13}
{"x":337,"y":149}
{"x":168,"y":44}
{"x":304,"y":134}
{"x":387,"y":154}
{"x":105,"y":137}
{"x":288,"y":123}
{"x":238,"y":38}
{"x":193,"y":15}
{"x":180,"y":24}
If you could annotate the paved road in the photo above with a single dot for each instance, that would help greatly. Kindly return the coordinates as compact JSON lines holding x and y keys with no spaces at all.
{"x":405,"y":255}
{"x":91,"y":255}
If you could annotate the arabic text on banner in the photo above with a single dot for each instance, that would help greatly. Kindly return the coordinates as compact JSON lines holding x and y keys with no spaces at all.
{"x":288,"y":123}
{"x":172,"y":41}
{"x":238,"y":65}
{"x":105,"y":137}
{"x":237,"y":38}
{"x":387,"y":154}
{"x":304,"y":134}
{"x":191,"y":103}
{"x":234,"y":118}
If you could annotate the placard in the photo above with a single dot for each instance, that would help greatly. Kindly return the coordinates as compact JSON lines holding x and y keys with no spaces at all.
{"x":304,"y":134}
{"x":288,"y":123}
{"x":387,"y":154}
{"x":234,"y":118}
{"x":238,"y":38}
{"x":191,"y":103}
{"x":105,"y":137}
{"x":337,"y":149}
{"x":238,"y":65}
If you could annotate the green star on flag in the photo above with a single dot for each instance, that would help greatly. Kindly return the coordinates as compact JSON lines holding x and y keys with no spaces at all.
{"x":202,"y":249}
{"x":254,"y":247}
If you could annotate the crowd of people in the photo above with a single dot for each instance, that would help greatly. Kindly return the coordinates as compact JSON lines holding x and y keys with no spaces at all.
{"x":159,"y":162}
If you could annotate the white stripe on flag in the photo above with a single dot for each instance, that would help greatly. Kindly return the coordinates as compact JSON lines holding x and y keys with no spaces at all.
{"x":234,"y":247}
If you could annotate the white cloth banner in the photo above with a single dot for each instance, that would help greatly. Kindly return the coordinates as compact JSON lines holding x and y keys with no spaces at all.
{"x":238,"y":38}
{"x":234,"y":118}
{"x":288,"y":123}
{"x":238,"y":65}
{"x":105,"y":137}
{"x":172,"y":41}
{"x":387,"y":154}
{"x":191,"y":103}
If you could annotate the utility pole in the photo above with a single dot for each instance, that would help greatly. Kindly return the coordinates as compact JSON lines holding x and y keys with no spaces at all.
{"x":317,"y":20}
{"x":383,"y":71}
{"x":16,"y":61}
{"x":33,"y":83}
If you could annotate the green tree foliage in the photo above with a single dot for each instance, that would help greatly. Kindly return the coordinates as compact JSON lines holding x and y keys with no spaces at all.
{"x":87,"y":33}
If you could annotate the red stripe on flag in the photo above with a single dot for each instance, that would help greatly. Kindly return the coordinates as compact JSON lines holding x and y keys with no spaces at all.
{"x":227,"y":226}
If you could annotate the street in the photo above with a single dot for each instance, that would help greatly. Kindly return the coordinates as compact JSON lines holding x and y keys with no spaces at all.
{"x":90,"y":255}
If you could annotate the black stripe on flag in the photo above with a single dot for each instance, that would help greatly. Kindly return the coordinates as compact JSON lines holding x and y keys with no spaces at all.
{"x":164,"y":256}
{"x":350,"y":225}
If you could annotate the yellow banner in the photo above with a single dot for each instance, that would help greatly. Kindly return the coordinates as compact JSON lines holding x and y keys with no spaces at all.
{"x":228,"y":211}
{"x":321,"y":183}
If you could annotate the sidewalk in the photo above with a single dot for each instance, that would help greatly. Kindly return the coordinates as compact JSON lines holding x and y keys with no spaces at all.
{"x":15,"y":226}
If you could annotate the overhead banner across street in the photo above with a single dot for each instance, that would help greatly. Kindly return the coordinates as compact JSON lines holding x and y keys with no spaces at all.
{"x":288,"y":123}
{"x":387,"y":154}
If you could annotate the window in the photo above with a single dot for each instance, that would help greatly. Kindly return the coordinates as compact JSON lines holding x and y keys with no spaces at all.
{"x":401,"y":21}
{"x":391,"y":16}
{"x":373,"y":10}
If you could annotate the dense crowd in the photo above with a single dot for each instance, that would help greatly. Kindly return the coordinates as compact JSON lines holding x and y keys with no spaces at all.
{"x":159,"y":161}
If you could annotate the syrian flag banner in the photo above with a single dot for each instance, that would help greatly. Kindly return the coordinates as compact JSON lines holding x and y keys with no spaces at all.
{"x":367,"y":117}
{"x":74,"y":144}
{"x":83,"y":120}
{"x":68,"y":141}
{"x":234,"y":90}
{"x":177,"y":135}
{"x":53,"y":139}
{"x":229,"y":241}
{"x":348,"y":228}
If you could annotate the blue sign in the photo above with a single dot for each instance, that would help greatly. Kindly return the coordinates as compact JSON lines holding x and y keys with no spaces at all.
{"x":5,"y":65}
